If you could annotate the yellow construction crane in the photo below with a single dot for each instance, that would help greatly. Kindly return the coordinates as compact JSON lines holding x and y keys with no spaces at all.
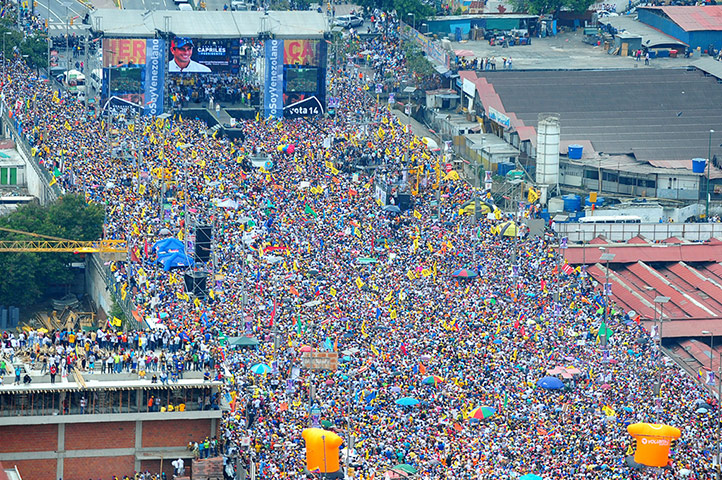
{"x":47,"y":243}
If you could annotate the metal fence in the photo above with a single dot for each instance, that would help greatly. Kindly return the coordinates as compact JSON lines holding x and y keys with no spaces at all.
{"x":47,"y":193}
{"x":621,"y":232}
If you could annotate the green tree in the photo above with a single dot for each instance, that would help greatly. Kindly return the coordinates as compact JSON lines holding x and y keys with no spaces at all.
{"x":35,"y":50}
{"x":538,"y":7}
{"x":419,"y":10}
{"x":416,"y":62}
{"x":27,"y":276}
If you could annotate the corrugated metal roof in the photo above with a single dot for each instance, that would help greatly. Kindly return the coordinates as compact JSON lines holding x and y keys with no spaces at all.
{"x":651,"y":37}
{"x":693,"y":18}
{"x":653,"y":114}
{"x":689,"y":274}
{"x":202,"y":24}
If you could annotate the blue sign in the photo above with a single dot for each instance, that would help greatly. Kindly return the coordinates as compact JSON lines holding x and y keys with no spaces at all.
{"x":154,"y":69}
{"x":273,"y":91}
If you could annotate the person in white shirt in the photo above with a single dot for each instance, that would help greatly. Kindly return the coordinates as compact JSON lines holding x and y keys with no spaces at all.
{"x":182,"y":48}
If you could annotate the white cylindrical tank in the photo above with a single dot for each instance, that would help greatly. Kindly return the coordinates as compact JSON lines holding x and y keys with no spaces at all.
{"x":547,"y":149}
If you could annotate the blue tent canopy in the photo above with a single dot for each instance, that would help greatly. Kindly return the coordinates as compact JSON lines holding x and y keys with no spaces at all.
{"x":168,"y":246}
{"x":176,"y":260}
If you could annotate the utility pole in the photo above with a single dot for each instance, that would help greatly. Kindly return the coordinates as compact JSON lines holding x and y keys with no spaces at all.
{"x":607,"y":257}
{"x":709,"y":160}
{"x":86,"y":67}
{"x":661,"y":301}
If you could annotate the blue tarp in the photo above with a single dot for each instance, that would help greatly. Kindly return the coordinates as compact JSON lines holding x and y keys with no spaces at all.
{"x":168,"y":246}
{"x":175,"y":260}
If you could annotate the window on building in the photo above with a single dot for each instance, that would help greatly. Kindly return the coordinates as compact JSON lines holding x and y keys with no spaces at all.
{"x":609,"y":177}
{"x":591,"y":174}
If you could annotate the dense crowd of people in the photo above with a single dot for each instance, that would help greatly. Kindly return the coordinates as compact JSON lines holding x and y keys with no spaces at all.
{"x":306,"y":257}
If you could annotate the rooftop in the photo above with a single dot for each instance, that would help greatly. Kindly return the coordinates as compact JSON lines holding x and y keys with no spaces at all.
{"x":655,"y":115}
{"x":651,"y":37}
{"x":690,"y":274}
{"x":692,"y":18}
{"x":113,"y":23}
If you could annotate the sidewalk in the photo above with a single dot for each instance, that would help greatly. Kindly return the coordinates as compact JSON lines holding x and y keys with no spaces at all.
{"x":96,"y":4}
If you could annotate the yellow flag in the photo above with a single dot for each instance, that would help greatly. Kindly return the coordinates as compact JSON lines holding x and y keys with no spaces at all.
{"x":131,"y":127}
{"x":389,"y":296}
{"x":359,"y":282}
{"x":393,"y":313}
{"x":333,"y":292}
{"x":117,"y":321}
{"x":53,"y":181}
{"x":410,"y":274}
{"x":533,"y":195}
{"x":417,"y":214}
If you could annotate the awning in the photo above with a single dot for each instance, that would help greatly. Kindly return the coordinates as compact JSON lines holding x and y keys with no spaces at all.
{"x":441,"y":69}
{"x":449,"y":96}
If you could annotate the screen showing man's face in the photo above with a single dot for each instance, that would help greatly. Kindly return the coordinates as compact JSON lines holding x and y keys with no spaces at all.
{"x":182,"y":55}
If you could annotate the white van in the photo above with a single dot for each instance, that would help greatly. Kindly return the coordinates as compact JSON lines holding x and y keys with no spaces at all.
{"x":96,"y":79}
{"x":185,"y":7}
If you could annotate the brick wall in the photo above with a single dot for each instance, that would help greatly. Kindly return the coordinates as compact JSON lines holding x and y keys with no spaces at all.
{"x":86,"y":436}
{"x":20,"y":438}
{"x":97,"y":467}
{"x":175,"y":433}
{"x":34,"y":469}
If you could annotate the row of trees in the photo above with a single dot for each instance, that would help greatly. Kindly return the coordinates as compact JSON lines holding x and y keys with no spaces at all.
{"x":28,"y":276}
{"x":422,"y":10}
{"x":33,"y":47}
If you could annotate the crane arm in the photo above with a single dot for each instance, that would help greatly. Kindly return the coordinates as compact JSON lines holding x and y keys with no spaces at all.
{"x":69,"y":246}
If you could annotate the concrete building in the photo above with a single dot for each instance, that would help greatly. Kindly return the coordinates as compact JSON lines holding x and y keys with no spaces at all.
{"x":47,"y":433}
{"x":636,"y":133}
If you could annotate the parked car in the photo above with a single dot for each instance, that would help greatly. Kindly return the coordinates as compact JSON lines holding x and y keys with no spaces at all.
{"x":348,"y":21}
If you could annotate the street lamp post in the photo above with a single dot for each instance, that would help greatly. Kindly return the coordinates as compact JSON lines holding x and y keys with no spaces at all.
{"x":719,"y":420}
{"x":606,"y":257}
{"x":5,"y":75}
{"x":709,"y":160}
{"x":711,"y":346}
{"x":661,"y":300}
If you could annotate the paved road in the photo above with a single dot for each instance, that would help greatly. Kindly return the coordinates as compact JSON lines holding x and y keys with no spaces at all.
{"x":565,"y":51}
{"x":61,"y":11}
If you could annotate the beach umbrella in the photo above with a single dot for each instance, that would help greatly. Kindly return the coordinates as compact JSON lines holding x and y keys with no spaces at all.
{"x":365,"y":260}
{"x":509,"y":229}
{"x":404,"y":467}
{"x":464,"y":273}
{"x":432,"y":380}
{"x":464,"y":53}
{"x":391,"y":208}
{"x":530,"y":476}
{"x":701,"y":410}
{"x":306,"y":348}
{"x":550,"y":383}
{"x":260,"y":369}
{"x":481,"y":413}
{"x":326,"y":423}
{"x":407,"y":401}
